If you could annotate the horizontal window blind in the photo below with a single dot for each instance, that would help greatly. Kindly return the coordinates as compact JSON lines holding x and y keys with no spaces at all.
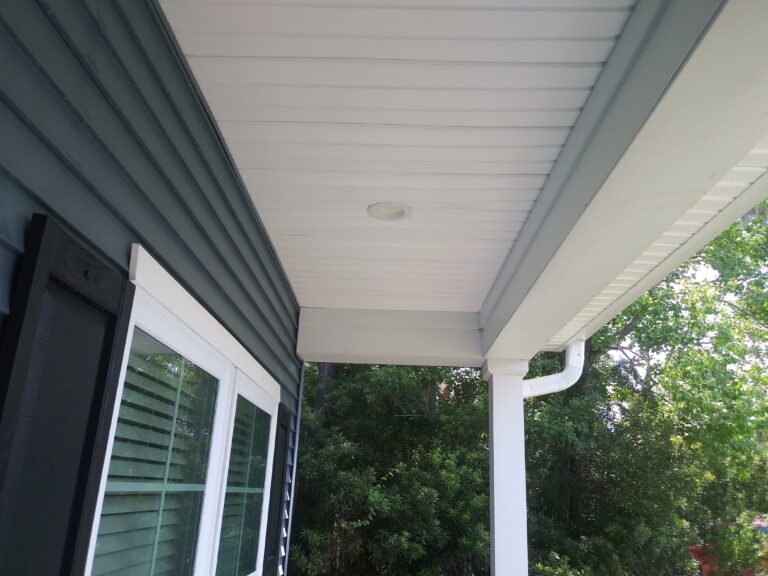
{"x":157,"y":471}
{"x":239,"y":538}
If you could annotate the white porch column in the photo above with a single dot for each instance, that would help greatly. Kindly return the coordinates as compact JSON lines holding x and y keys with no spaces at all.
{"x":509,"y":534}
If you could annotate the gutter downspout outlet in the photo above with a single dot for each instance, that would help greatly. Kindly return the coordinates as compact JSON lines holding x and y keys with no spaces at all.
{"x":574,"y":365}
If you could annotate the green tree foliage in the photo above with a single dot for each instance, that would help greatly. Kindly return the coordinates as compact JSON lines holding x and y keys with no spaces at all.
{"x":664,"y":436}
{"x":663,"y":439}
{"x":738,"y":546}
{"x":392,"y":479}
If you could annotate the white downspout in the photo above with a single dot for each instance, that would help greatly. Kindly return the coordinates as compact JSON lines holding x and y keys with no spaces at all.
{"x":574,"y":365}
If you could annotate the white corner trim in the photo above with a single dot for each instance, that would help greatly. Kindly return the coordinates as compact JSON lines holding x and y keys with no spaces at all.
{"x":390,"y":337}
{"x":148,"y":275}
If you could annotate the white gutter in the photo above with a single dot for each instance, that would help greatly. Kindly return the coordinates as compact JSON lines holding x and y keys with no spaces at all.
{"x":574,"y":365}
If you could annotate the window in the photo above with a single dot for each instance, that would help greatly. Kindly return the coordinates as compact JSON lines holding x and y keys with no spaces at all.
{"x":183,"y":489}
{"x":241,"y":521}
{"x":157,"y":472}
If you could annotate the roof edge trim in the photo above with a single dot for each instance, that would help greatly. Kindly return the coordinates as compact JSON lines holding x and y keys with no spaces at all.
{"x":655,"y":43}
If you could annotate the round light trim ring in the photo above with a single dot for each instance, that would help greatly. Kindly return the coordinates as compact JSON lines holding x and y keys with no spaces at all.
{"x":389,"y":211}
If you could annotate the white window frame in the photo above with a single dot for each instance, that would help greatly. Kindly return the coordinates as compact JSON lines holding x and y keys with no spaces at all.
{"x":248,"y":389}
{"x":166,"y":311}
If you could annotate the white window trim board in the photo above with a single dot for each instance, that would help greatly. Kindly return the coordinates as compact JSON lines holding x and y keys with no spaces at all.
{"x":146,"y":273}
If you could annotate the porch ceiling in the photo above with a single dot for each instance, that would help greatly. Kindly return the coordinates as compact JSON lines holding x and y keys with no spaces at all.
{"x":457,"y":108}
{"x":519,"y":131}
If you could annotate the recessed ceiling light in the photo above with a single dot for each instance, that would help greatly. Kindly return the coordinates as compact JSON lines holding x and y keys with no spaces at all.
{"x":389,"y":211}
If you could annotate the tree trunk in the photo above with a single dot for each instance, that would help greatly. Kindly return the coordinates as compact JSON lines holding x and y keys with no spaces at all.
{"x":325,"y":381}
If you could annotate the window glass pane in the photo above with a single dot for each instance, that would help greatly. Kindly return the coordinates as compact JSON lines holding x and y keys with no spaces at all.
{"x":239,"y":540}
{"x":154,"y":494}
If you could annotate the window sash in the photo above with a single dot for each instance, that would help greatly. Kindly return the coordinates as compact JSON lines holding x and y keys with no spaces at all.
{"x":254,"y":394}
{"x":157,"y":321}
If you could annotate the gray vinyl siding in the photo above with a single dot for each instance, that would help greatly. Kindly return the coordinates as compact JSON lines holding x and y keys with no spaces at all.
{"x":101,"y":126}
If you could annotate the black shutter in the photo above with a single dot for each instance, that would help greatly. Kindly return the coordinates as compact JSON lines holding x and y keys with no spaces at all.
{"x":59,"y":365}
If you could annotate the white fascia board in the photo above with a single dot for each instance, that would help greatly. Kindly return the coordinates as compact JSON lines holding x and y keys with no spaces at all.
{"x":656,"y":40}
{"x":740,"y":206}
{"x":390,"y":337}
{"x":713,"y":114}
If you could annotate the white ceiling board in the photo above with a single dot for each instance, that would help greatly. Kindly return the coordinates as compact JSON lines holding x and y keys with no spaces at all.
{"x":401,"y":337}
{"x":391,"y":265}
{"x":485,"y":118}
{"x":308,"y":72}
{"x":308,"y":179}
{"x":581,"y":51}
{"x":444,"y":231}
{"x":458,"y":109}
{"x":349,"y":214}
{"x":490,"y":198}
{"x":372,"y":22}
{"x":438,"y":136}
{"x":280,"y":151}
{"x":387,"y":300}
{"x":401,"y":167}
{"x":396,"y":98}
{"x":436,"y":209}
{"x":377,"y":249}
{"x":475,"y":4}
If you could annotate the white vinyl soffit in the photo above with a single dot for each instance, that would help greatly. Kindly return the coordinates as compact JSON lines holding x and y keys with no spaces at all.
{"x":740,"y":183}
{"x":457,"y":109}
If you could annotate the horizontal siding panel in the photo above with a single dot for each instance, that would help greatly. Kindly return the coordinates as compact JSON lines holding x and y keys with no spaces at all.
{"x":145,"y":178}
{"x":374,"y":22}
{"x":124,"y":192}
{"x":49,"y":184}
{"x":152,"y":117}
{"x":176,"y":84}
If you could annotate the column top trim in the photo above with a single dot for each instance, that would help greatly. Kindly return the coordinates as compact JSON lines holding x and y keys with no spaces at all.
{"x":504,"y":367}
